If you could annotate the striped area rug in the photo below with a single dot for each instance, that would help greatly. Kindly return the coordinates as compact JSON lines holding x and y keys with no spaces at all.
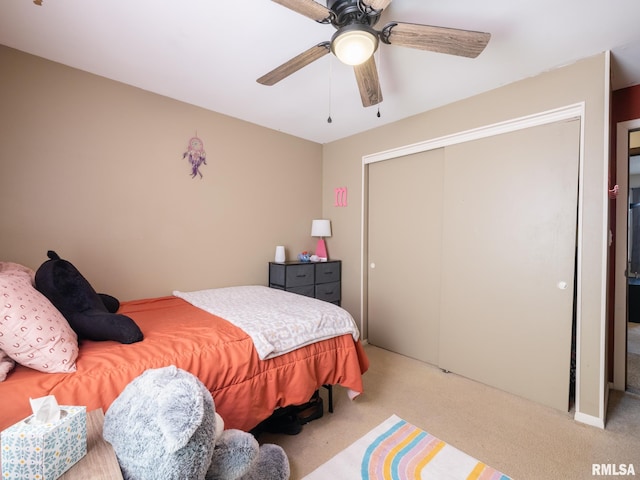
{"x":397,"y":450}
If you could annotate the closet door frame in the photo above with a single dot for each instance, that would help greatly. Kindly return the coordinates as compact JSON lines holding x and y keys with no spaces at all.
{"x":569,"y":112}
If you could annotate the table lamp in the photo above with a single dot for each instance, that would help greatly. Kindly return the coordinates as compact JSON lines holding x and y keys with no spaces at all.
{"x":321,"y":228}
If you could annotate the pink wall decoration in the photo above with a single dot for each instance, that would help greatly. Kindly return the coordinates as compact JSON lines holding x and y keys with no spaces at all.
{"x":340,"y":197}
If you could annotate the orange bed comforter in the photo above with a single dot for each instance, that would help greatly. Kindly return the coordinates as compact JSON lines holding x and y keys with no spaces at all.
{"x":246,"y":390}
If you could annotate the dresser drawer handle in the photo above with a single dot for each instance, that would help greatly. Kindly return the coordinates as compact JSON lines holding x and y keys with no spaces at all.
{"x":329,"y":293}
{"x":300,"y":276}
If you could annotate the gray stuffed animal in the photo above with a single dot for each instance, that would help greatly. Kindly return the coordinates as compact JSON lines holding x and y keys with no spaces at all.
{"x":164,"y":426}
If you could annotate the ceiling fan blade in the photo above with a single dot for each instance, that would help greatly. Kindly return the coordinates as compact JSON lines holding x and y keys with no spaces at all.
{"x":368,"y":83}
{"x":308,"y":8}
{"x":465,"y":43}
{"x":377,"y":4}
{"x":295,"y":64}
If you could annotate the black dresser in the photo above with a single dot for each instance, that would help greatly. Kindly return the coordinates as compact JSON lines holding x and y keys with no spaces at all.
{"x":314,"y":279}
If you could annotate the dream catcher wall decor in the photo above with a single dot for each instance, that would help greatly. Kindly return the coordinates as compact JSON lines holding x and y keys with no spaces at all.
{"x":196,"y":155}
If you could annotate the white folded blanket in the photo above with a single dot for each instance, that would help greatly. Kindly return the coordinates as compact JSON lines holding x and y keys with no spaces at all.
{"x":277,"y":321}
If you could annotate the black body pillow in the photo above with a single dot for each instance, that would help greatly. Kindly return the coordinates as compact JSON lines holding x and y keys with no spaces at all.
{"x":91,"y":315}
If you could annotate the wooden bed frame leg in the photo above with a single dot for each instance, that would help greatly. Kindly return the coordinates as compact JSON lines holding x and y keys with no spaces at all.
{"x":330,"y":391}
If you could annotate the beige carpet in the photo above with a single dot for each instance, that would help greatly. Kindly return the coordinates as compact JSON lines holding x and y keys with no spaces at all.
{"x":518,"y":437}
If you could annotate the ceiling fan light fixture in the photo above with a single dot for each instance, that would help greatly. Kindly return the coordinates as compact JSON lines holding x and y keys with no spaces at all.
{"x":354,"y":44}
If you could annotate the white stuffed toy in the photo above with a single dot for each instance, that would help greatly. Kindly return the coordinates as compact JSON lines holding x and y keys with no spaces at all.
{"x":164,"y":426}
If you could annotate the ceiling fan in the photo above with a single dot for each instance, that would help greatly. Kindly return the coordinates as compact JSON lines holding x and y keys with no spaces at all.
{"x":355,"y":40}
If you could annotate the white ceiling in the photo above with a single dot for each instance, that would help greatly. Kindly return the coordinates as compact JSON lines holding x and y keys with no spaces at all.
{"x":210,"y":52}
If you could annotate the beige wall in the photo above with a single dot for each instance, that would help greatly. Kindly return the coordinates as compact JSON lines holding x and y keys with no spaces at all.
{"x":585,"y":81}
{"x":93,"y":169}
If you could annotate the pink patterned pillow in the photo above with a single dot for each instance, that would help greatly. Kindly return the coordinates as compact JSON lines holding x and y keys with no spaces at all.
{"x":32,"y":331}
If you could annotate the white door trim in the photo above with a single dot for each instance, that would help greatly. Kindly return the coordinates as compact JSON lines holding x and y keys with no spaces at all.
{"x":550,"y":116}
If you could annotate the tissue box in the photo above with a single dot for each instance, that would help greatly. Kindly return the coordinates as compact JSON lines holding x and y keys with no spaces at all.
{"x":44,"y":451}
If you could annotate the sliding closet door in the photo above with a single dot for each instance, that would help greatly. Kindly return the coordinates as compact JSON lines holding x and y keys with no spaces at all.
{"x":404,"y":243}
{"x":509,"y":240}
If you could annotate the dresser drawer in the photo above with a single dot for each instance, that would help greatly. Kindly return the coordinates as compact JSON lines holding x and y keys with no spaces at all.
{"x":327,"y":272}
{"x":306,"y":290}
{"x":329,"y":292}
{"x":299,"y":275}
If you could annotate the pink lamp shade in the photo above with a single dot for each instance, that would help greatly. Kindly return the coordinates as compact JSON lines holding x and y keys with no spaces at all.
{"x":321,"y":228}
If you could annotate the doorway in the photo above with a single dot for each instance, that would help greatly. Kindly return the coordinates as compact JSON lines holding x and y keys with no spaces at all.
{"x":633,"y":275}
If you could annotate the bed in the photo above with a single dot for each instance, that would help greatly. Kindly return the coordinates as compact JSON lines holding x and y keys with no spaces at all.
{"x":246,"y":388}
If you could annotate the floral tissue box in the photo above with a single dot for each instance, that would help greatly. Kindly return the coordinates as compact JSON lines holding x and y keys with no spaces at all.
{"x":44,"y":451}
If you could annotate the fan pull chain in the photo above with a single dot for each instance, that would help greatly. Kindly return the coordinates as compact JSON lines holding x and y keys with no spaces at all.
{"x":379,"y":75}
{"x":330,"y":80}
